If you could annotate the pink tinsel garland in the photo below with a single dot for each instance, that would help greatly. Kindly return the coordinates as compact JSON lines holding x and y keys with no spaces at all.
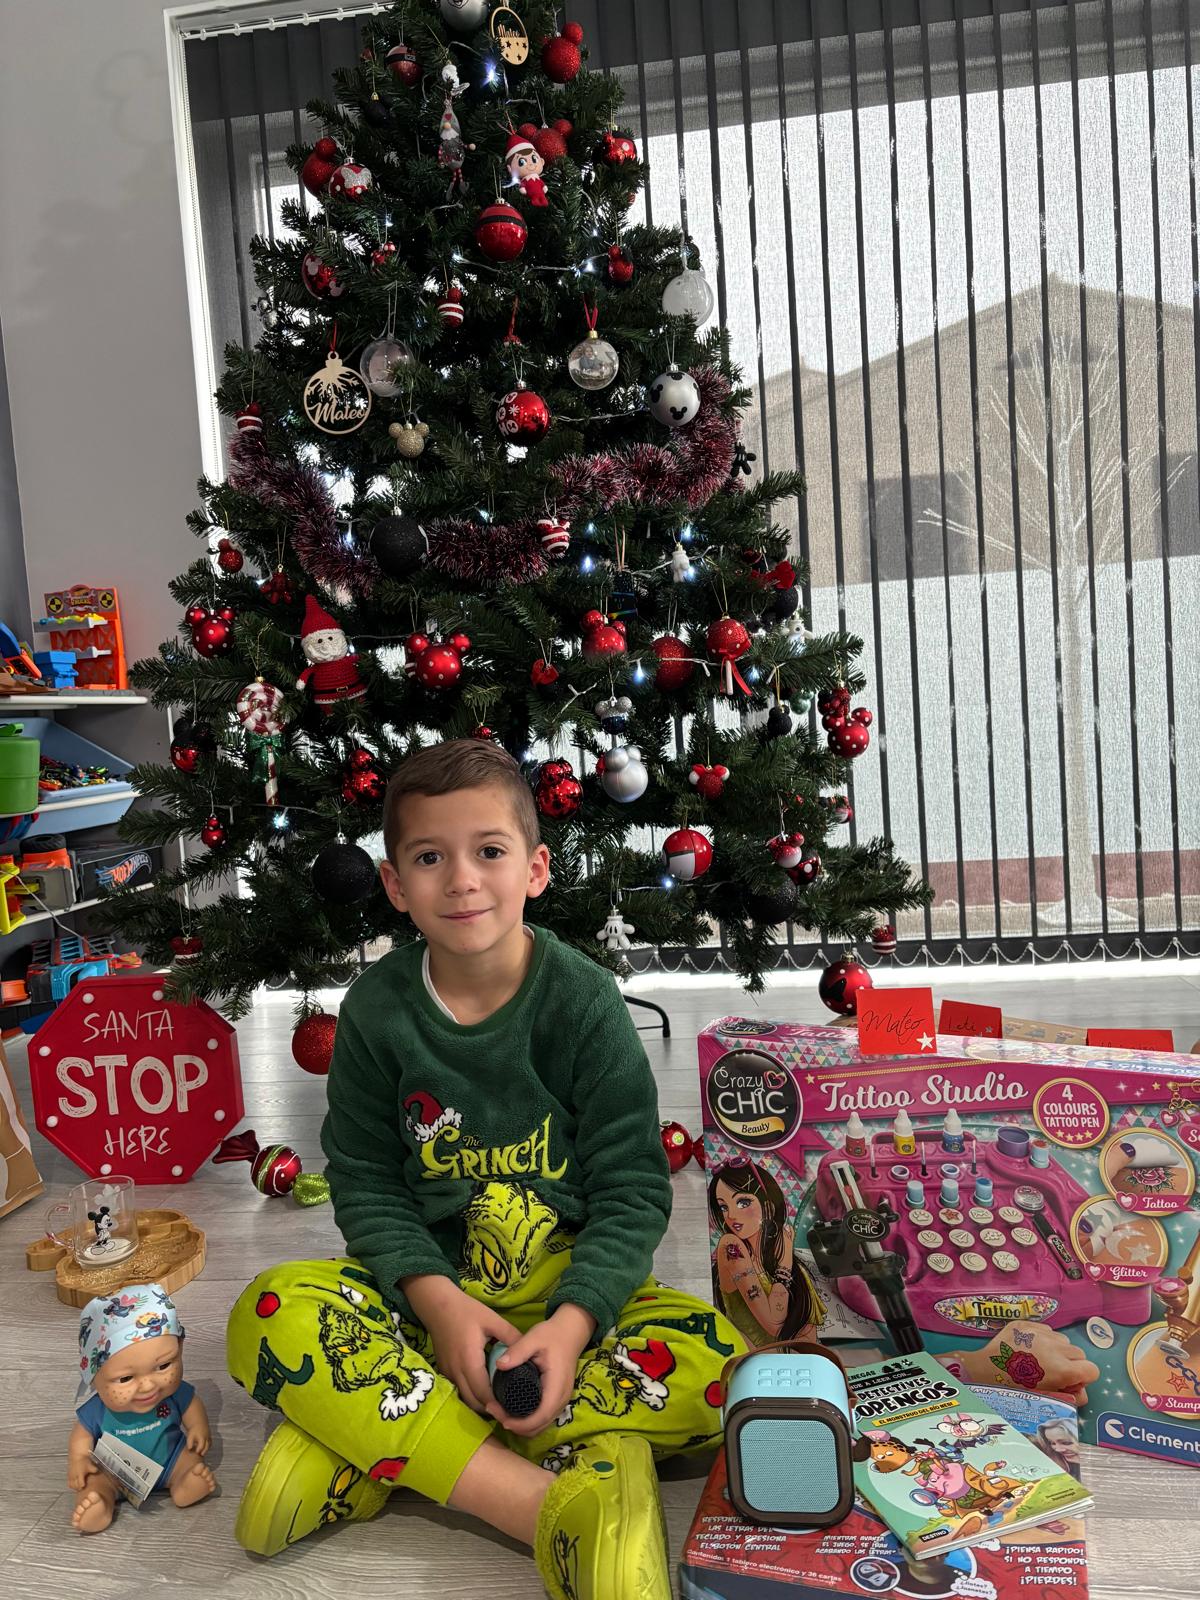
{"x":297,"y":491}
{"x":490,"y":554}
{"x":691,"y":469}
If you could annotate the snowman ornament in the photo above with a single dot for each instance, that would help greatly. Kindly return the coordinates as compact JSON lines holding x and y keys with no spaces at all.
{"x":673,"y":398}
{"x":614,"y":935}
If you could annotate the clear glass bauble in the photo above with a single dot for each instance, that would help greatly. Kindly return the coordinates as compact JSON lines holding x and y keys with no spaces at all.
{"x":689,"y":295}
{"x":379,"y":363}
{"x":593,"y":363}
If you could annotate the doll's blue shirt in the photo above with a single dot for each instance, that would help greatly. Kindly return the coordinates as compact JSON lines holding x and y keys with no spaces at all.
{"x":158,"y":1434}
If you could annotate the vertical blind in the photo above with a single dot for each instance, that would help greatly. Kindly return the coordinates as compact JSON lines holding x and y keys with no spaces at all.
{"x":957,"y":258}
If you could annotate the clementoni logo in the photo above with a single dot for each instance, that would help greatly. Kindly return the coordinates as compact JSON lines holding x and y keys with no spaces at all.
{"x":754,"y":1099}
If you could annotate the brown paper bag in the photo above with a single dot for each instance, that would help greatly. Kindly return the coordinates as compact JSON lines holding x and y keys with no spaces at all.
{"x":19,"y":1177}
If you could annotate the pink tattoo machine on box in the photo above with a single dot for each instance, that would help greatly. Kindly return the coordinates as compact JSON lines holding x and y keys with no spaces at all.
{"x":939,"y":1199}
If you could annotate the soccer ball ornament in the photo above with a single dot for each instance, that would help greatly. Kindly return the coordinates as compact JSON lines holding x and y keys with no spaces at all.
{"x":623,"y":774}
{"x":312,"y":1043}
{"x":602,"y":639}
{"x":350,"y":181}
{"x":673,"y":398}
{"x":842,"y":983}
{"x":786,"y":850}
{"x":688,"y":854}
{"x":708,"y":782}
{"x":500,"y":232}
{"x":689,"y":295}
{"x":523,"y":417}
{"x":593,"y":363}
{"x":464,"y":16}
{"x":558,"y":792}
{"x":555,"y":536}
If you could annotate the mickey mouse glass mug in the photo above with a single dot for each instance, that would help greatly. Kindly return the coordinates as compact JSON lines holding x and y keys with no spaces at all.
{"x":102,"y":1221}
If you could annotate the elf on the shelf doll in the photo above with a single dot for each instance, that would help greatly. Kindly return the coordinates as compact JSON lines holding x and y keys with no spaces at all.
{"x":332,"y":671}
{"x":525,"y":167}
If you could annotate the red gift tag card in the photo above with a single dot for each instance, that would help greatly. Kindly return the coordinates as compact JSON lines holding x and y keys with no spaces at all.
{"x":965,"y":1017}
{"x":896,"y":1022}
{"x":1132,"y":1038}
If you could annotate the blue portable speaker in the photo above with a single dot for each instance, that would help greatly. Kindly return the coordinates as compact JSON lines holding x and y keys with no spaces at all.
{"x":788,"y":1436}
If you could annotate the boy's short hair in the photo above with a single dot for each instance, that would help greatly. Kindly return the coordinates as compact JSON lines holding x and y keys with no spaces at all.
{"x":458,"y":764}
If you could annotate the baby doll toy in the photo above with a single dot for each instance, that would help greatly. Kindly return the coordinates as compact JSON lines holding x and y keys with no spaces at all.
{"x":138,"y":1426}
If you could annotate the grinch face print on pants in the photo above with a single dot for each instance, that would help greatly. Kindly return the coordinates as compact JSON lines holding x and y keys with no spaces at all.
{"x":612,"y":1382}
{"x":360,"y":1357}
{"x":507,"y":1225}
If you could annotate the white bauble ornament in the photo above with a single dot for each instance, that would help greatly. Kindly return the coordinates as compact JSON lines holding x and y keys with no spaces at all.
{"x":378,"y":364}
{"x":593,"y":363}
{"x":464,"y":16}
{"x":624,"y":777}
{"x":689,"y":295}
{"x":673,"y":398}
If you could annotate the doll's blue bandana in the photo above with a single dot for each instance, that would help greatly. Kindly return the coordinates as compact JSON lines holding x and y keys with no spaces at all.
{"x":111,"y":1322}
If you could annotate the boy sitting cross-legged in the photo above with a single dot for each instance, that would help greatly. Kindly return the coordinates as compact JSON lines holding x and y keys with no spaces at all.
{"x":496,"y":1171}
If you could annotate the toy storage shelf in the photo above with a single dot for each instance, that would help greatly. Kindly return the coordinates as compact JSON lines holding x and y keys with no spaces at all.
{"x":80,"y":905}
{"x":18,"y":705}
{"x":68,"y":810}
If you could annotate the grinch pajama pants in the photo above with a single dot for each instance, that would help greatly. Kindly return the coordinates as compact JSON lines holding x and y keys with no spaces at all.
{"x":316,"y":1341}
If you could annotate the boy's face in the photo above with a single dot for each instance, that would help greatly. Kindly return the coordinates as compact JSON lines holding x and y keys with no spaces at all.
{"x":463,"y":869}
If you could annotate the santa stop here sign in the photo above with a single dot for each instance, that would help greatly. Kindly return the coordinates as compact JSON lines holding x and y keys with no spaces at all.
{"x":126,"y":1081}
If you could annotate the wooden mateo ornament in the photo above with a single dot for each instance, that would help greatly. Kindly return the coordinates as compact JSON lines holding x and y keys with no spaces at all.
{"x":336,"y":400}
{"x":508,"y":31}
{"x":170,"y":1252}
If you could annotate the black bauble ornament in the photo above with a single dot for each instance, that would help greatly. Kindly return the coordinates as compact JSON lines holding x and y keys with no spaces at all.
{"x":398,"y":545}
{"x":776,"y":904}
{"x":343,"y":874}
{"x":377,"y":113}
{"x":784,"y":604}
{"x":778,"y":723}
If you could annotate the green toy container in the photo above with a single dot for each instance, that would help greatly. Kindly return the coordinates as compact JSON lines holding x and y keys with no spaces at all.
{"x":19,"y":767}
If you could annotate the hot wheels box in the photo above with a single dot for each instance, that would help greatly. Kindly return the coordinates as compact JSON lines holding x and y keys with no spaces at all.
{"x":968,"y":1200}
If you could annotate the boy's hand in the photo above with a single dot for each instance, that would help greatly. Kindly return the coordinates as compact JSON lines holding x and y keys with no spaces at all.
{"x":461,"y":1329}
{"x":554,"y":1347}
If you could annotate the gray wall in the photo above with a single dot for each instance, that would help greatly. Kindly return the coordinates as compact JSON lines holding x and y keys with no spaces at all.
{"x":14,"y":588}
{"x":94,"y":310}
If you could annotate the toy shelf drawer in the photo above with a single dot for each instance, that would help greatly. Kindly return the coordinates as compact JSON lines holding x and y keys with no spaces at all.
{"x":68,"y":810}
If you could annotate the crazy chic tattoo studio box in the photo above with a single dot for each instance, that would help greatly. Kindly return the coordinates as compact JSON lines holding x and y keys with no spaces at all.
{"x":964,"y":1201}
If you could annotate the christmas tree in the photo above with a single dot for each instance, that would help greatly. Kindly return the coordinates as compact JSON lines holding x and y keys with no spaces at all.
{"x":485,"y":480}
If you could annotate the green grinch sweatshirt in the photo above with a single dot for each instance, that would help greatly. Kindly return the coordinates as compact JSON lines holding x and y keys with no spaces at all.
{"x":553,"y":1090}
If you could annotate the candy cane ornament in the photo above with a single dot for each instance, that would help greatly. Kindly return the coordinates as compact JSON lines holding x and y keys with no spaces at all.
{"x":259,"y":709}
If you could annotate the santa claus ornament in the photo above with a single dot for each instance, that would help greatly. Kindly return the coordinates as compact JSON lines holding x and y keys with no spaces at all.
{"x":332,"y":671}
{"x":249,"y":418}
{"x":884,"y":939}
{"x":403,"y":65}
{"x":525,"y":168}
{"x":708,"y":782}
{"x":688,"y":854}
{"x":558,"y":793}
{"x":433,"y":663}
{"x":522,"y":416}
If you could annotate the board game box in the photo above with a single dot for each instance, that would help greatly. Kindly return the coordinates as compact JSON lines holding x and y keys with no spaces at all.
{"x":962,"y":1201}
{"x":725,"y":1558}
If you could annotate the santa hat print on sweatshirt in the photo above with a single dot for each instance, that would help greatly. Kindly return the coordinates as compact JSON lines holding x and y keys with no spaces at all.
{"x":650,"y":1366}
{"x":317,"y":619}
{"x":426,"y":1117}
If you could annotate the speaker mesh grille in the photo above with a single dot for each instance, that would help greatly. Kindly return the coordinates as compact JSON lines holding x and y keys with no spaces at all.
{"x":788,"y":1465}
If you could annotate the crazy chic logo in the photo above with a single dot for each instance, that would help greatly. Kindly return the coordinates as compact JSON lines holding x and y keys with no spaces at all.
{"x":754,"y":1099}
{"x":438,"y":1132}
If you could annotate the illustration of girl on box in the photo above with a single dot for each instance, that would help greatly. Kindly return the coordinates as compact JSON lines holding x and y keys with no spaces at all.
{"x":762,"y":1288}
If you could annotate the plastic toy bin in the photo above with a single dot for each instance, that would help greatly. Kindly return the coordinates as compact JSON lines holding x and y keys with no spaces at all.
{"x":67,"y":810}
{"x":19,"y":755}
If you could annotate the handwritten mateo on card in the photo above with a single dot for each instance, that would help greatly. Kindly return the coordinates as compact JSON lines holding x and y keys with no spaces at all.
{"x":965,"y":1017}
{"x":896,"y":1022}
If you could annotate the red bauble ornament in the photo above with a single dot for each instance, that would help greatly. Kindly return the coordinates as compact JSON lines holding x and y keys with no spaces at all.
{"x":312,"y":1043}
{"x":403,"y":65}
{"x":561,"y":58}
{"x":276,"y":589}
{"x":698,"y":1152}
{"x":500,"y":232}
{"x":551,"y":142}
{"x":213,"y":832}
{"x":616,"y":149}
{"x":849,"y":740}
{"x":678,"y":1144}
{"x":542,"y":674}
{"x":195,"y":614}
{"x":212,"y":637}
{"x":862,"y":716}
{"x":350,"y":181}
{"x":842,"y":983}
{"x":688,"y":854}
{"x":319,"y":279}
{"x":709,"y":782}
{"x":786,"y":850}
{"x":834,"y":700}
{"x":523,"y":417}
{"x":185,"y":755}
{"x":602,"y":639}
{"x":807,"y":870}
{"x":450,"y":307}
{"x":620,"y":264}
{"x":319,"y":166}
{"x":559,"y":792}
{"x":229,"y":557}
{"x":675,"y":666}
{"x":439,"y":667}
{"x":362,"y":781}
{"x":249,"y":418}
{"x":273,"y":1170}
{"x":728,"y":640}
{"x":884,"y":939}
{"x":383,"y":253}
{"x":555,"y":536}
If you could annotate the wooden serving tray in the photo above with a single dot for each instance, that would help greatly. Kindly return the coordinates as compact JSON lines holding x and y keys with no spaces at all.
{"x":170,"y":1253}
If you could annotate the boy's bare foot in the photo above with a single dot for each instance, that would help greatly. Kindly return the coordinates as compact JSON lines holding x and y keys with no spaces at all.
{"x":93,"y":1512}
{"x":196,"y":1483}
